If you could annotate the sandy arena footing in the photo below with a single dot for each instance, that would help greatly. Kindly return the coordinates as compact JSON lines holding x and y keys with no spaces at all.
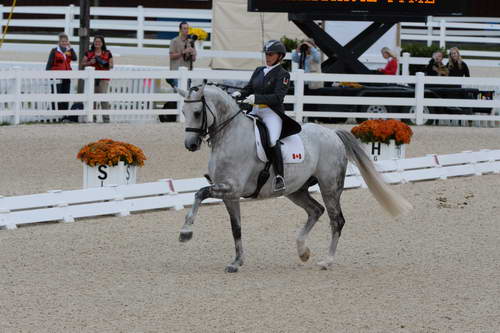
{"x":434,"y":270}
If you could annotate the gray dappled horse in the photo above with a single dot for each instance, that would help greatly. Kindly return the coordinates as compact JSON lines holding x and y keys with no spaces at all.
{"x":234,"y":167}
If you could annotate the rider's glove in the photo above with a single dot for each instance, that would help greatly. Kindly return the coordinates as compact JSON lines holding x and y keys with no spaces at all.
{"x":236,"y":94}
{"x":250,"y":99}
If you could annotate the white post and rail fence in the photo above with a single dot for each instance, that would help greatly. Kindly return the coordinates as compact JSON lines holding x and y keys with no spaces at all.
{"x":15,"y":103}
{"x":143,"y":21}
{"x":443,"y":30}
{"x":446,"y":30}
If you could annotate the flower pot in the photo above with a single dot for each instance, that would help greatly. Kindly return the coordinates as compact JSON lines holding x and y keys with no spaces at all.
{"x":378,"y":151}
{"x":105,"y":175}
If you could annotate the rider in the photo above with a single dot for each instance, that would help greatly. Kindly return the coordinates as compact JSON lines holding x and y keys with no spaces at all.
{"x":266,"y":90}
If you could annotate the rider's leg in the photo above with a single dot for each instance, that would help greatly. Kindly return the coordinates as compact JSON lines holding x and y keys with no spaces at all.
{"x":279,"y":180}
{"x":274,"y":125}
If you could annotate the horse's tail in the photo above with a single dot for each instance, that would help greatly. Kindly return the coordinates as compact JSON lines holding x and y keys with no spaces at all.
{"x":387,"y":198}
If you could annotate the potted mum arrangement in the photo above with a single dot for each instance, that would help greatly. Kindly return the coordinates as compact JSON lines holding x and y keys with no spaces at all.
{"x":383,"y":139}
{"x":108,"y":162}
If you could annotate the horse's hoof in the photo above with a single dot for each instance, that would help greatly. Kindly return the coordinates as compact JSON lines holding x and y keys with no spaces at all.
{"x":306,"y":255}
{"x":231,"y":269}
{"x":185,"y":236}
{"x":325,"y":265}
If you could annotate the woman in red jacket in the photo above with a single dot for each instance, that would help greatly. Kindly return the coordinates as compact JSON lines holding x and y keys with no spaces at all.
{"x":60,"y":59}
{"x":101,"y":59}
{"x":392,"y":64}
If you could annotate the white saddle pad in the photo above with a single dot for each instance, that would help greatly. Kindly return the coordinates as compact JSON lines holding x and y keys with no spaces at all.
{"x":292,"y":148}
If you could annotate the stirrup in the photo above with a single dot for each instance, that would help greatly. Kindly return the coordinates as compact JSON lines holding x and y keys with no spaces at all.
{"x":279,"y":184}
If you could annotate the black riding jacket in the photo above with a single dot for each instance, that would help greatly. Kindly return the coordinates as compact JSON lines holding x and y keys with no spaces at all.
{"x":271,"y":90}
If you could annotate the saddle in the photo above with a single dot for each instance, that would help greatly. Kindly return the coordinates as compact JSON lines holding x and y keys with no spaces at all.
{"x":292,"y":147}
{"x":292,"y":150}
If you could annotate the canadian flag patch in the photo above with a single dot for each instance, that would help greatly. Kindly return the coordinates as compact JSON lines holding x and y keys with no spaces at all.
{"x":285,"y":81}
{"x":296,"y":156}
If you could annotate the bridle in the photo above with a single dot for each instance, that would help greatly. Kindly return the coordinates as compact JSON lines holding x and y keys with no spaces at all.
{"x":205,"y":130}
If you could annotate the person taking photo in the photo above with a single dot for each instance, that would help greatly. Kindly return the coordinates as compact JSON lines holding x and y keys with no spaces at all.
{"x":182,"y":51}
{"x":308,"y":57}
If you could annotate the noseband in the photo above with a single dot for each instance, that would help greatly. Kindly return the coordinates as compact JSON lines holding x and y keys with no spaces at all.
{"x":212,"y":130}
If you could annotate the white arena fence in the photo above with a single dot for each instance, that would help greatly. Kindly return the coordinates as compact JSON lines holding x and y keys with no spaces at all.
{"x":46,"y":86}
{"x":137,"y":20}
{"x":17,"y":101}
{"x":58,"y":205}
{"x":446,"y":30}
{"x":142,"y":21}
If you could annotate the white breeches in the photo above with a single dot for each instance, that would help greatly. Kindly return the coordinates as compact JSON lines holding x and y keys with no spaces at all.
{"x":272,"y":120}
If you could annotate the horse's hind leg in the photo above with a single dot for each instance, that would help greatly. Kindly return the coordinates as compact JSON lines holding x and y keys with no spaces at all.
{"x":314,"y":210}
{"x":331,"y":197}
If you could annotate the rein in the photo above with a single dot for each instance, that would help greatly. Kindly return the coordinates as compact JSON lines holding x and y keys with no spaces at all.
{"x":205,"y":130}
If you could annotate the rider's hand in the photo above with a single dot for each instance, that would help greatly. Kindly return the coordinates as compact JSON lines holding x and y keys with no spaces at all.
{"x":236,"y":94}
{"x":250,"y":99}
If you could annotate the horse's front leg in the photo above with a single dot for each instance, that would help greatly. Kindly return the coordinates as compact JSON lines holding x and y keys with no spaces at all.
{"x":233,"y":208}
{"x":214,"y":191}
{"x":187,"y":229}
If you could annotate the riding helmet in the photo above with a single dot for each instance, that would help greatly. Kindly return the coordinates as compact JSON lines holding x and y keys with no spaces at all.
{"x":275,"y":46}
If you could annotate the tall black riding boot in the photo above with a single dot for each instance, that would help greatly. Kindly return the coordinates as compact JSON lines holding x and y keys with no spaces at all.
{"x":278,"y":181}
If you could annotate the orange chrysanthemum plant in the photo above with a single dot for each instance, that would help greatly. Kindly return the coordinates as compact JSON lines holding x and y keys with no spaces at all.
{"x":380,"y":130}
{"x":109,"y":152}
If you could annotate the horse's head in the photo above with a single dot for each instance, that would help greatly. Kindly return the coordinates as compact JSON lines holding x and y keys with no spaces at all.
{"x":199,"y":116}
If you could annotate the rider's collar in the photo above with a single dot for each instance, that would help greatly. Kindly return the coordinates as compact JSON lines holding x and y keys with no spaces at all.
{"x":269,"y":68}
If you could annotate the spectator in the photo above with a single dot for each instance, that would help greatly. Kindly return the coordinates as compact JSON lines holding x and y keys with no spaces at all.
{"x":101,"y":59}
{"x":391,"y":68}
{"x":436,"y":66}
{"x":456,"y":66}
{"x":182,"y":51}
{"x":60,"y":59}
{"x":308,"y":58}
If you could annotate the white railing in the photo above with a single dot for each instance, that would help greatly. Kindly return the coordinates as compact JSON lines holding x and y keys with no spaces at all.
{"x":46,"y":86}
{"x":143,"y":20}
{"x":406,"y":60}
{"x":371,"y":61}
{"x":465,"y":30}
{"x":139,"y":20}
{"x":16,"y":102}
{"x":60,"y":205}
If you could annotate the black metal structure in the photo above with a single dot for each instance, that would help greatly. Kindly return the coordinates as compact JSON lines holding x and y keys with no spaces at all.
{"x":384,"y":14}
{"x":380,"y":10}
{"x":342,"y":59}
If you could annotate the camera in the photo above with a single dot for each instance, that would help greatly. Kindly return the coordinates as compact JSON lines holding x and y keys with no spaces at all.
{"x":192,"y":37}
{"x":304,"y":47}
{"x":101,"y":61}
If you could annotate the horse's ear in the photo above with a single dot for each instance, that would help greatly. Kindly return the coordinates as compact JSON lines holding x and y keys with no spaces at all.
{"x":181,"y":92}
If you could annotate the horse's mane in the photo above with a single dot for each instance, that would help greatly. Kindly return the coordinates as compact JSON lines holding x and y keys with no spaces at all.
{"x":220,"y":97}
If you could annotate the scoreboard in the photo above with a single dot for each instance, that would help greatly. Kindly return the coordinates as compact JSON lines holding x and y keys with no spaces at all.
{"x":372,"y":9}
